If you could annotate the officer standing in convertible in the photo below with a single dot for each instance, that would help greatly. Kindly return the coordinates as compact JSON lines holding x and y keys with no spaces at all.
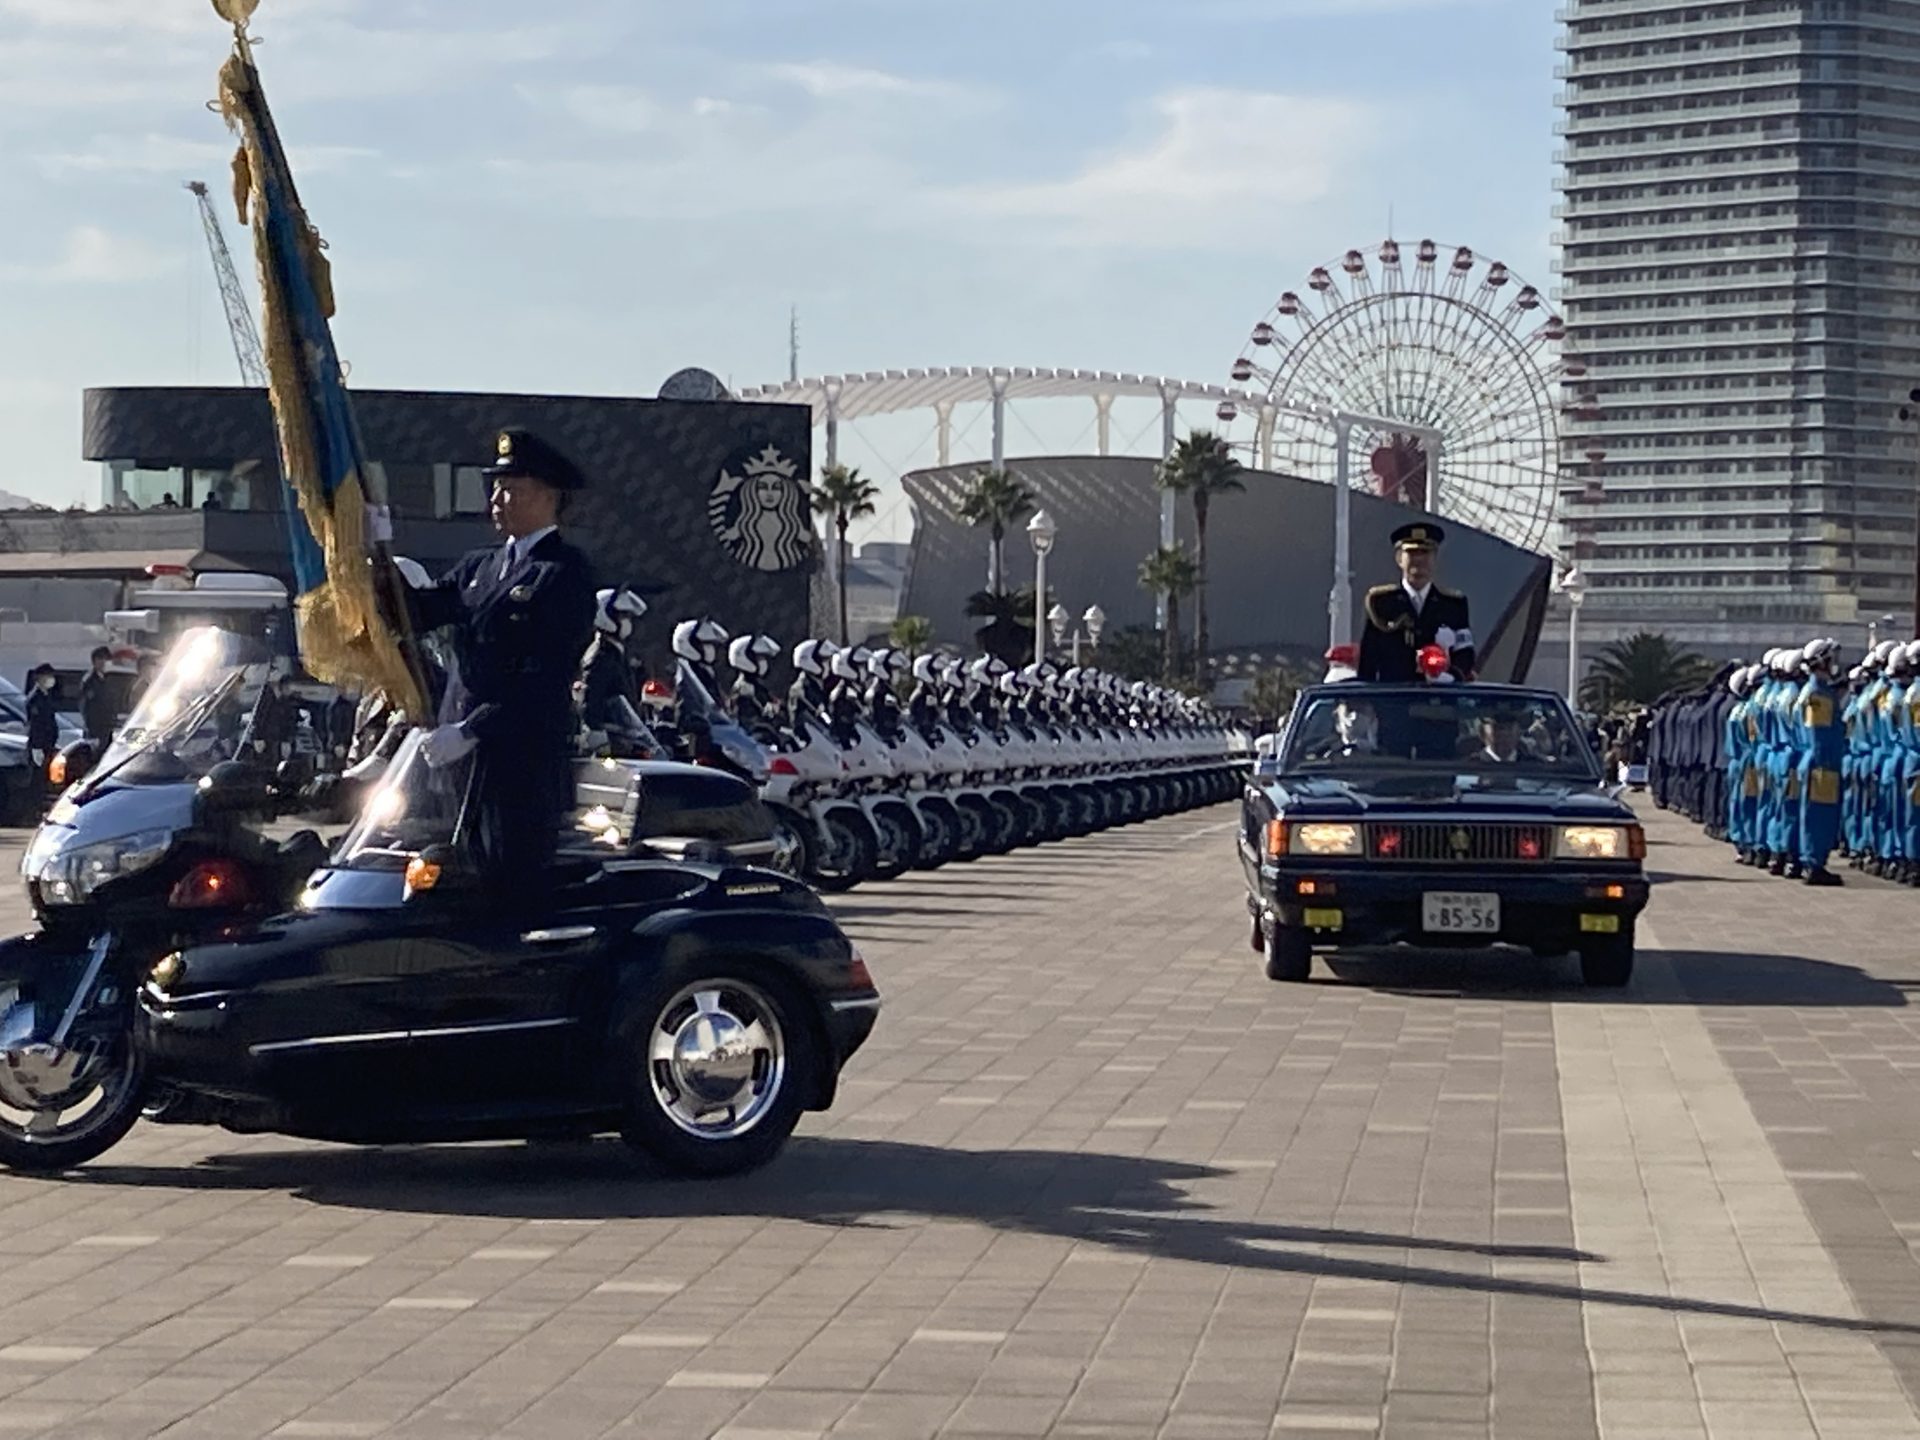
{"x":1403,"y":619}
{"x":520,"y":614}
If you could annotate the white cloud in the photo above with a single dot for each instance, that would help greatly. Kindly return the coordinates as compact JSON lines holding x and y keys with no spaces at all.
{"x":94,"y":256}
{"x":830,"y":80}
{"x":1222,"y":162}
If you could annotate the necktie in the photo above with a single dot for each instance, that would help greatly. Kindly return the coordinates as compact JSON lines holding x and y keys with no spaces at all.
{"x":506,"y":567}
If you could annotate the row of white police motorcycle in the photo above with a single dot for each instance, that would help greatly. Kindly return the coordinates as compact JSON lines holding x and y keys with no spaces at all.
{"x":975,"y":758}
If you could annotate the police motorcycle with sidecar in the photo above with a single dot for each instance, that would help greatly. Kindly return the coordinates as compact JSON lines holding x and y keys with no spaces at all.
{"x":190,"y":964}
{"x":1438,"y":815}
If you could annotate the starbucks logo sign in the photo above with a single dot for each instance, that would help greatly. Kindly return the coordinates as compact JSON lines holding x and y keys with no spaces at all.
{"x":759,"y":511}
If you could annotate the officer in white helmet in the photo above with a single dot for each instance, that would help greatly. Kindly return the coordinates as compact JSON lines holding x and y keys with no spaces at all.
{"x":612,"y":697}
{"x":754,"y":702}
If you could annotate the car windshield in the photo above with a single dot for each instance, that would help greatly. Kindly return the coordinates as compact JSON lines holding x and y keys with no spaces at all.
{"x":1438,"y":730}
{"x":191,"y":716}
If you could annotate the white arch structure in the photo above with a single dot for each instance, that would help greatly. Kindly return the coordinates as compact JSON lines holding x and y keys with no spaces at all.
{"x":833,"y":398}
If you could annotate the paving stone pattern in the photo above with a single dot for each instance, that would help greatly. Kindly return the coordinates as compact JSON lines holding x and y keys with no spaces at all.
{"x":1094,"y":1176}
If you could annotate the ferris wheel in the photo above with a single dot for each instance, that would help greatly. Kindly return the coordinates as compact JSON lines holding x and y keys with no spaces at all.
{"x":1457,"y":346}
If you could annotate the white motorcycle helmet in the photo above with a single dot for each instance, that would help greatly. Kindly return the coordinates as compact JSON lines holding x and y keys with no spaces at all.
{"x":752,"y":654}
{"x":810,"y":657}
{"x":926,"y":670}
{"x":616,"y":612}
{"x":848,"y":664}
{"x":1011,"y":684}
{"x":700,"y":641}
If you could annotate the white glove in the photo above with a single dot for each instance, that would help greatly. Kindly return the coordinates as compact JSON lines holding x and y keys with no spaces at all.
{"x":1444,"y":637}
{"x":445,"y":745}
{"x":379,"y":525}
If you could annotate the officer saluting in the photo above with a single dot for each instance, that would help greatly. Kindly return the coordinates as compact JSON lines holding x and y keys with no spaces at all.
{"x":1402,"y":619}
{"x":521,"y":613}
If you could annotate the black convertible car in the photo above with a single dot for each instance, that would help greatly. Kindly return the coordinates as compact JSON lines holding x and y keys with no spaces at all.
{"x":1460,"y":815}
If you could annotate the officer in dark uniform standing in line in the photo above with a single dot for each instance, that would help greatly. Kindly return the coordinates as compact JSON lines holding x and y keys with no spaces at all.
{"x":1403,"y":619}
{"x":521,"y":615}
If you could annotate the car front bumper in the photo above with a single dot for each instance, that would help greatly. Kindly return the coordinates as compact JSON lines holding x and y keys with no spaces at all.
{"x":1549,"y":909}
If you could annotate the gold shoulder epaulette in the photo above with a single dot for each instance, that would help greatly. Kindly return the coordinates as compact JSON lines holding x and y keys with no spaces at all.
{"x":1450,"y":594}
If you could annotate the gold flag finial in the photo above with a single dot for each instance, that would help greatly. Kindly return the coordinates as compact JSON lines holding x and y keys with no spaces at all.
{"x":236,"y":12}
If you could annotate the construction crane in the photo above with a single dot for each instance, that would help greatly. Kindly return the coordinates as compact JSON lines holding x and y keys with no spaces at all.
{"x":246,"y":335}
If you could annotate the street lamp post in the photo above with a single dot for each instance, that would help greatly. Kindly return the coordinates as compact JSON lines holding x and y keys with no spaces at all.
{"x":1041,"y":532}
{"x":1059,"y":618}
{"x":1573,"y":585}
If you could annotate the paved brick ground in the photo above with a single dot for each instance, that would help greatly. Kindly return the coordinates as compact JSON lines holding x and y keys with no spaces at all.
{"x":1094,"y":1176}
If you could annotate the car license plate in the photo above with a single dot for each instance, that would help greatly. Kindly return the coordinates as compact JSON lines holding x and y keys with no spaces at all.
{"x":1600,"y":924}
{"x":1457,"y":912}
{"x":1322,"y":919}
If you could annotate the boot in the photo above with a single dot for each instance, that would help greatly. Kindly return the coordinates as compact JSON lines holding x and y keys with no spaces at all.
{"x":1793,"y":870}
{"x":1777,"y":865}
{"x":1820,"y":875}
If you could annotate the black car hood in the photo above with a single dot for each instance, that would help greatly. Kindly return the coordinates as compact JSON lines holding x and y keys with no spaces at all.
{"x":1443,"y":794}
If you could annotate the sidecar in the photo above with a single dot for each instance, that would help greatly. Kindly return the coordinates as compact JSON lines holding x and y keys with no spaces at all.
{"x":665,"y":986}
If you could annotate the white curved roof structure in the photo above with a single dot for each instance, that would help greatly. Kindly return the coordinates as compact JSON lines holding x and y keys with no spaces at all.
{"x":886,"y":392}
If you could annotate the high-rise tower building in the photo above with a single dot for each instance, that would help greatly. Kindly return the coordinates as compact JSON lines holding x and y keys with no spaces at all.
{"x":1740,"y":276}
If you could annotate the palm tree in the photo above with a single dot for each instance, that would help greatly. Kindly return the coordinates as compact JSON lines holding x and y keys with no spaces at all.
{"x":1639,"y":670}
{"x":1270,"y":696}
{"x":911,"y":633}
{"x":1170,"y":571}
{"x":1201,"y":467}
{"x":1006,"y":631}
{"x":846,"y":495}
{"x":995,"y":498}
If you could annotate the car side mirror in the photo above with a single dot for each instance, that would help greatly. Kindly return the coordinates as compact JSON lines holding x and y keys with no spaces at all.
{"x":72,"y":764}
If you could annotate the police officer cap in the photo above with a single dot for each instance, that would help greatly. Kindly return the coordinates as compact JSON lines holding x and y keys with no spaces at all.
{"x":1420,"y":535}
{"x":523,"y":453}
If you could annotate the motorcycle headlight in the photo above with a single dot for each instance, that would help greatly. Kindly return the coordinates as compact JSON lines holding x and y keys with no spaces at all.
{"x":1595,"y":842}
{"x":70,"y":876}
{"x":1326,"y":840}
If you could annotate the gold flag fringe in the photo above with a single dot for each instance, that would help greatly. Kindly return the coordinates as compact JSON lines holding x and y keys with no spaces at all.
{"x":343,"y":638}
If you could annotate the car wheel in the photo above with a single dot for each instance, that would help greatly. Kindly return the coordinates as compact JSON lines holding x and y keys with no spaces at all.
{"x":721,"y":1062}
{"x":61,"y":1108}
{"x":1606,"y":962}
{"x":1289,"y":954}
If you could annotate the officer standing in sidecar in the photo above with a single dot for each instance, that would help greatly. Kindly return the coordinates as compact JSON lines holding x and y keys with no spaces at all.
{"x":520,"y":614}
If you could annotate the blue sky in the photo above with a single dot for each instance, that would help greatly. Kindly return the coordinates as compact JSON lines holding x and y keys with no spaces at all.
{"x":585,"y":195}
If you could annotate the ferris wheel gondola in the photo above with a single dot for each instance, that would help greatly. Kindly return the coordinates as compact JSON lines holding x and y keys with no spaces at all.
{"x":1450,"y":343}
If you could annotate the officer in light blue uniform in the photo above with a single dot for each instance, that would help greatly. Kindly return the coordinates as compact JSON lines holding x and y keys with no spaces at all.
{"x":1820,"y":745}
{"x":1896,"y":738}
{"x":1765,"y":755}
{"x":1743,"y":785}
{"x":1850,"y":790}
{"x":1870,"y":724}
{"x":1908,"y":729}
{"x":1784,"y":833}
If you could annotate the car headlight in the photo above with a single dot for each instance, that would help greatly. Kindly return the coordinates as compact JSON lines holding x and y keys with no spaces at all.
{"x":1595,"y":842}
{"x":69,"y":877}
{"x":1326,"y":840}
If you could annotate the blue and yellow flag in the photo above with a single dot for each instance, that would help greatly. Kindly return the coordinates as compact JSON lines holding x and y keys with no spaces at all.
{"x":343,"y":638}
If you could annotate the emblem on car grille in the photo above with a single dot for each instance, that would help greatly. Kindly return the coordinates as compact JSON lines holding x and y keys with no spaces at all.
{"x":1459,"y":841}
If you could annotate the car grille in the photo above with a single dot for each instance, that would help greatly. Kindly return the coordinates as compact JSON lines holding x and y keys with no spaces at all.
{"x":1432,"y":841}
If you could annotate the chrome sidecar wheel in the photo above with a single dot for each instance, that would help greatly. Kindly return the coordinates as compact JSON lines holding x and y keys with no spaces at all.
{"x":725,"y":1065}
{"x":63,"y":1107}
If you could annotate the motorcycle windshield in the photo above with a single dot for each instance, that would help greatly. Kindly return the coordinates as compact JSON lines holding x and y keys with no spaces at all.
{"x":191,"y":716}
{"x":416,"y":806}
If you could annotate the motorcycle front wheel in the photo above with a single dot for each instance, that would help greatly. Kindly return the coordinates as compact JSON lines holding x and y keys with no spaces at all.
{"x":848,"y":858}
{"x":60,"y":1108}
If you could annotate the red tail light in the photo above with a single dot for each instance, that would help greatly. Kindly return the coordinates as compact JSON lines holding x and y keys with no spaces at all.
{"x":657,"y":690}
{"x":780,"y":765}
{"x":858,"y":976}
{"x":212,"y":884}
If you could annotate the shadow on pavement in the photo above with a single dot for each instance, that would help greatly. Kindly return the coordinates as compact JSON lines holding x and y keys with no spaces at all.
{"x":1706,"y":978}
{"x":1130,"y":1204}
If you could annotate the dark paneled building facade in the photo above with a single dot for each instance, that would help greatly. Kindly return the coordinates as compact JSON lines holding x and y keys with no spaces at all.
{"x":699,"y":504}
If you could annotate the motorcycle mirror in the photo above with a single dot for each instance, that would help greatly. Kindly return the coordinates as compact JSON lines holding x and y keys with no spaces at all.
{"x":231,"y":788}
{"x":72,"y":764}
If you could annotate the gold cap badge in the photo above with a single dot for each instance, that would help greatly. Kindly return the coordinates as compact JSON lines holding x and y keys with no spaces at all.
{"x":506,"y":446}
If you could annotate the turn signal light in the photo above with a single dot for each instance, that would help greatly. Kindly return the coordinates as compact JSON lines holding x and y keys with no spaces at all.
{"x":1276,"y":838}
{"x":1636,"y":843}
{"x":57,"y":770}
{"x":780,"y":765}
{"x":211,"y":885}
{"x":422,"y":874}
{"x":1314,"y":887}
